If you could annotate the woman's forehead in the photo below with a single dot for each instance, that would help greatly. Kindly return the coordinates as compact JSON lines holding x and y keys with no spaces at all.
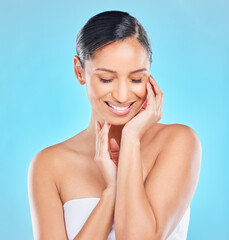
{"x":128,"y":54}
{"x":132,"y":67}
{"x":121,"y":49}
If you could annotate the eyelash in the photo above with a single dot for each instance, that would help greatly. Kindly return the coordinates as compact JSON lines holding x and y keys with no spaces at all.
{"x":106,"y":81}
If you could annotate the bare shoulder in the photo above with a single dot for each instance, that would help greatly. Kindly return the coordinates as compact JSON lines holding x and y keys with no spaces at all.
{"x":44,"y":170}
{"x":179,"y":139}
{"x":170,"y":132}
{"x":48,"y":160}
{"x":180,"y":134}
{"x":177,"y":128}
{"x":54,"y":161}
{"x":162,"y":138}
{"x":172,"y":128}
{"x":45,"y":202}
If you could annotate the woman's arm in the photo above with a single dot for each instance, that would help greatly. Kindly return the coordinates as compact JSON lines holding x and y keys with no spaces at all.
{"x":99,"y":223}
{"x":134,"y":218}
{"x":153,"y":211}
{"x":46,"y":206}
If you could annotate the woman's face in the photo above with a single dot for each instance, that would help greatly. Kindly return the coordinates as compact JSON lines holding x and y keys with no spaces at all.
{"x":126,"y":65}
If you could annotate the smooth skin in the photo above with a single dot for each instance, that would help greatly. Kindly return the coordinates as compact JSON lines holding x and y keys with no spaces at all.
{"x":133,"y":163}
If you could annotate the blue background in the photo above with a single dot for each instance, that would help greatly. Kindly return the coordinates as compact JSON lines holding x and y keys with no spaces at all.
{"x":41,"y":102}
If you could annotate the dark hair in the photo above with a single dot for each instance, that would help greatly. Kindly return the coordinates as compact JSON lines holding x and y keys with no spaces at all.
{"x":106,"y":28}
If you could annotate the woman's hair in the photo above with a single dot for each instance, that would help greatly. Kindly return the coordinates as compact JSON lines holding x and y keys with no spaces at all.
{"x":106,"y":28}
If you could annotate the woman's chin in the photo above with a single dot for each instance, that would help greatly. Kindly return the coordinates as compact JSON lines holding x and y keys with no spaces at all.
{"x":117,"y":122}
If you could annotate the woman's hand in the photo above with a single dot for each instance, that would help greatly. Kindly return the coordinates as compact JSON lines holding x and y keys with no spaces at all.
{"x":107,"y":165}
{"x":149,"y":114}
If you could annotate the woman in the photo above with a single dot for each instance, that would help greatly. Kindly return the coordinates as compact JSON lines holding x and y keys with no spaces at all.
{"x":126,"y":176}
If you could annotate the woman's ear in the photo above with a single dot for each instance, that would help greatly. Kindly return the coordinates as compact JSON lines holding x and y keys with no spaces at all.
{"x":79,"y":72}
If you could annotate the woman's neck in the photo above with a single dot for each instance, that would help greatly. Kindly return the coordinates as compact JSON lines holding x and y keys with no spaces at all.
{"x":90,"y":134}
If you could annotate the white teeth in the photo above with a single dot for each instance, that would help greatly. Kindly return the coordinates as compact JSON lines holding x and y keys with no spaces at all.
{"x":118,"y":108}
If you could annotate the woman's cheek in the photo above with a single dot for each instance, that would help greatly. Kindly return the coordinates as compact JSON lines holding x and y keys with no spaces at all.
{"x":91,"y":90}
{"x":140,"y":90}
{"x":92,"y":87}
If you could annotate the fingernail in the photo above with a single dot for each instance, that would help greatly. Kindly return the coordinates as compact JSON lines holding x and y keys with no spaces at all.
{"x":97,"y":124}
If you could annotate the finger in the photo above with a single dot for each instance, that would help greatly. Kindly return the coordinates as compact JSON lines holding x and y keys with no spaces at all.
{"x":99,"y":125}
{"x":105,"y":137}
{"x":100,"y":139}
{"x":158,"y":91}
{"x":155,"y":88}
{"x":145,"y":103}
{"x":114,"y":145}
{"x":98,"y":135}
{"x":103,"y":132}
{"x":144,"y":106}
{"x":160,"y":108}
{"x":161,"y":103}
{"x":98,"y":128}
{"x":115,"y":162}
{"x":114,"y":150}
{"x":103,"y":128}
{"x":97,"y":144}
{"x":151,"y":100}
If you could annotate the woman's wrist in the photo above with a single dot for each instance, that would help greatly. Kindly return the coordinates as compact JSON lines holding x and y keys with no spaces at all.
{"x":110,"y":191}
{"x":131,"y":138}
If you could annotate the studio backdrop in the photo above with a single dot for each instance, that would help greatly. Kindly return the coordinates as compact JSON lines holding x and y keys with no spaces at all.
{"x":42,"y":103}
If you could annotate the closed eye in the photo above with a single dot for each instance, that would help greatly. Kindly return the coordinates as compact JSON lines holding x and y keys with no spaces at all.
{"x":109,"y":80}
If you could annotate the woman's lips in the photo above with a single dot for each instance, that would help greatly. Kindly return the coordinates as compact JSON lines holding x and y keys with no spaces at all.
{"x":119,"y":105}
{"x":120,"y":111}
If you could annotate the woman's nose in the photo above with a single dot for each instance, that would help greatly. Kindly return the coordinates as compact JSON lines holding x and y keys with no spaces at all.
{"x":122,"y":92}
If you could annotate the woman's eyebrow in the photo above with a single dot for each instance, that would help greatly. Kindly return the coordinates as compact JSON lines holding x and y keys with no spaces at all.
{"x":108,"y":70}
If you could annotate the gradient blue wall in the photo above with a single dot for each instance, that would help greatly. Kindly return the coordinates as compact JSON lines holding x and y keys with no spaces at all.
{"x":41,"y":102}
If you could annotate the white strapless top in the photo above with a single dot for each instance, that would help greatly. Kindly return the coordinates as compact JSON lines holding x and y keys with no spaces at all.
{"x":77,"y":211}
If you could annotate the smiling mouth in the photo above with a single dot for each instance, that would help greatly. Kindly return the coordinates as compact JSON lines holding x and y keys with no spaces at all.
{"x":119,"y":108}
